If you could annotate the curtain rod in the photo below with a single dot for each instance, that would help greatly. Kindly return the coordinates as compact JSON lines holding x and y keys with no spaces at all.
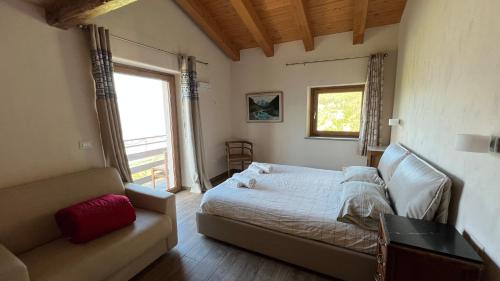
{"x":329,"y":60}
{"x":81,"y":26}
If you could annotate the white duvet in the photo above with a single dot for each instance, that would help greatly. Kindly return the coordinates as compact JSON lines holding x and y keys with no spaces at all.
{"x":293,"y":200}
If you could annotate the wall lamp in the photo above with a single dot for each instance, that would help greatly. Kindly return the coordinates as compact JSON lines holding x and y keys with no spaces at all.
{"x":477,"y":143}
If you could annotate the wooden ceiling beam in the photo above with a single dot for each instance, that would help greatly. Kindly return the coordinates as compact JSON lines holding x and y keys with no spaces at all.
{"x":66,"y":14}
{"x":253,"y":23}
{"x":303,"y":23}
{"x":207,"y":23}
{"x":360,"y":13}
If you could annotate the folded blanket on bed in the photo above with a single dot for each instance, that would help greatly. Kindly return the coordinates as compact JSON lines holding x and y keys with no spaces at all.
{"x":263,"y":167}
{"x":244,"y":181}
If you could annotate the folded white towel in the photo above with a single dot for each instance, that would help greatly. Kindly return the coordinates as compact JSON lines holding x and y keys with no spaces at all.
{"x":246,"y":181}
{"x":236,"y":183}
{"x":255,"y":169}
{"x":267,"y":168}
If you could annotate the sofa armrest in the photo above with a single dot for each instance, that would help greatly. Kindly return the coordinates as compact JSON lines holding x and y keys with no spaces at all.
{"x":157,"y":201}
{"x":150,"y":199}
{"x":12,"y":268}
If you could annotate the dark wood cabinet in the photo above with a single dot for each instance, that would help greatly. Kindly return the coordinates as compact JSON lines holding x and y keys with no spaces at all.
{"x":417,"y":250}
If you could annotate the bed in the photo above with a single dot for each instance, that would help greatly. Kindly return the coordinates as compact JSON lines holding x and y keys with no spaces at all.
{"x":292,"y":215}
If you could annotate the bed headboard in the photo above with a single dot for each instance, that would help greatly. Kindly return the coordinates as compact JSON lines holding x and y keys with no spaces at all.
{"x":416,"y":188}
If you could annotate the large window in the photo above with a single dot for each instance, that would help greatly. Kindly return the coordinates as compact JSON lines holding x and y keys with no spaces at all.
{"x":336,"y":111}
{"x":146,"y":102}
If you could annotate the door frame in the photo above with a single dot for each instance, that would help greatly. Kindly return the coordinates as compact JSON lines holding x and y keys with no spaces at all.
{"x":172,"y":105}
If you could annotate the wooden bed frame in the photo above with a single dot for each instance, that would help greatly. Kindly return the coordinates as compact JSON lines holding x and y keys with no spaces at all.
{"x":318,"y":256}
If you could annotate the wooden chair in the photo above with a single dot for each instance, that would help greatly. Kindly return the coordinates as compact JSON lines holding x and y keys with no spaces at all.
{"x":160,"y":172}
{"x":238,"y":152}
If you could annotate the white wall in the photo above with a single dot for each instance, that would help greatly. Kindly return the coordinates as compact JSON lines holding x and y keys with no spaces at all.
{"x":46,"y":98}
{"x":448,"y":83}
{"x":57,"y":104}
{"x":162,"y":24}
{"x":285,"y":142}
{"x":47,"y":89}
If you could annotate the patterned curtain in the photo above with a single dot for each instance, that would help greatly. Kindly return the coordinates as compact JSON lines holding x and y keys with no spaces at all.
{"x":372,"y":104}
{"x":192,"y":122}
{"x":107,"y":108}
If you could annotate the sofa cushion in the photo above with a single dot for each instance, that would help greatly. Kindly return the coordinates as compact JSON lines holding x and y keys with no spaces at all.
{"x":11,"y":268}
{"x":61,"y":260}
{"x":393,"y":155}
{"x":27,"y":211}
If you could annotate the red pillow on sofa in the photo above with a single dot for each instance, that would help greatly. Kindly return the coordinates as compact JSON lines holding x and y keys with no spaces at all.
{"x":94,"y":218}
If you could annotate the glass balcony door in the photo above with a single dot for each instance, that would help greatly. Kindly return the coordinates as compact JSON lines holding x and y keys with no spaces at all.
{"x":146,"y":101}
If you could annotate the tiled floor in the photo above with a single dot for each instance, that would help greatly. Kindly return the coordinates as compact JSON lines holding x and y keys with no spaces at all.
{"x":197,"y":257}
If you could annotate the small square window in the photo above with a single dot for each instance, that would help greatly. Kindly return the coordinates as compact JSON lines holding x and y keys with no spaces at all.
{"x":336,"y":111}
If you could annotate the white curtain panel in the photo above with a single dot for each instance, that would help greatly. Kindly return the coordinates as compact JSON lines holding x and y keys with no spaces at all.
{"x":192,"y":124}
{"x":369,"y":134}
{"x":106,"y":104}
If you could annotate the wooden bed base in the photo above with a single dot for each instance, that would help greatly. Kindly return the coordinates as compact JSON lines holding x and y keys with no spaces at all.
{"x":321,"y":257}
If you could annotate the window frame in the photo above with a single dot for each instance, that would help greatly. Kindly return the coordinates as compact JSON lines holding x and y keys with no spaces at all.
{"x":172,"y":104}
{"x":313,"y":109}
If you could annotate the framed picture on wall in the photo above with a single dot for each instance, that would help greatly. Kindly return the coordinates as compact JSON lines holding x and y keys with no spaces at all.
{"x":265,"y":107}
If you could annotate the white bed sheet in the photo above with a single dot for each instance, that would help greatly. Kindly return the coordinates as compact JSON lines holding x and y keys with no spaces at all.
{"x":295,"y":200}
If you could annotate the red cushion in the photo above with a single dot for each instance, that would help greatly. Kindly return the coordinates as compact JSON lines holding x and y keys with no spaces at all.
{"x":94,"y":218}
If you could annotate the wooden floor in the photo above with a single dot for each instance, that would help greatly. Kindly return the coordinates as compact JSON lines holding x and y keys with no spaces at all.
{"x":197,"y":257}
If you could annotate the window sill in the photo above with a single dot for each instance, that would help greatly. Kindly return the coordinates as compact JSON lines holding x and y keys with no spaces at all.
{"x":331,"y":138}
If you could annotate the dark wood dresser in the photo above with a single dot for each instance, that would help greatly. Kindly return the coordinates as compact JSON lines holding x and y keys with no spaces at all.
{"x":417,"y":250}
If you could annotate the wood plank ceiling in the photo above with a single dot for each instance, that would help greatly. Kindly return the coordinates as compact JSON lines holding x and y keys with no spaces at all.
{"x":243,"y":24}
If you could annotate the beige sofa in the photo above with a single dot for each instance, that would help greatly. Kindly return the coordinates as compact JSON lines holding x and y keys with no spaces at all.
{"x":31,"y":246}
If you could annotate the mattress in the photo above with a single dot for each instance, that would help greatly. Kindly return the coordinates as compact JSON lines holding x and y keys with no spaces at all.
{"x":294,"y":200}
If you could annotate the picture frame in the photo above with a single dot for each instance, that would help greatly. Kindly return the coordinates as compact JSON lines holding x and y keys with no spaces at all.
{"x":264,"y":107}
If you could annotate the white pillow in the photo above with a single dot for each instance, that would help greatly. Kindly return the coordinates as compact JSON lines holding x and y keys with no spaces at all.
{"x":362,"y":203}
{"x":393,"y":155}
{"x":361,"y":173}
{"x":416,"y":189}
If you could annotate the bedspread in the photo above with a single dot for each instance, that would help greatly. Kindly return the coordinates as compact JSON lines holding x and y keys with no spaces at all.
{"x":295,"y":200}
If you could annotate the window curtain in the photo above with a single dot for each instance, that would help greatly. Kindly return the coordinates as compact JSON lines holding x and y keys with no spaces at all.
{"x":372,"y":104}
{"x":106,"y":105}
{"x":192,"y":122}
